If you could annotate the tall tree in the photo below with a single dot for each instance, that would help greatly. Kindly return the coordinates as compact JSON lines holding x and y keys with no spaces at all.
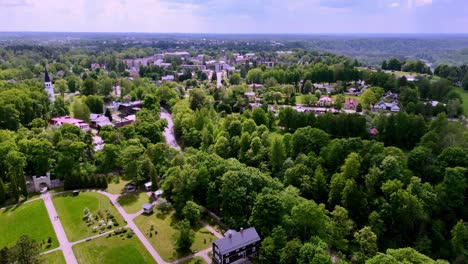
{"x":16,"y":163}
{"x":26,"y":251}
{"x":277,"y":154}
{"x":2,"y":192}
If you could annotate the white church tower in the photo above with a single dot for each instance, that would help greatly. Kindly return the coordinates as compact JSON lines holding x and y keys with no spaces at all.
{"x":48,"y":86}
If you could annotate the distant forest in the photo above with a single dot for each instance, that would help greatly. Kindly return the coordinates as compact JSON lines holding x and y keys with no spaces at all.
{"x":368,"y":49}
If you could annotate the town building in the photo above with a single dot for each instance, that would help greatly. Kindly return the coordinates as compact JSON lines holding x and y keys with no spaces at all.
{"x":59,"y":121}
{"x":325,"y":101}
{"x":130,"y":108}
{"x":48,"y":86}
{"x":382,"y":105}
{"x":168,"y":78}
{"x":98,"y":121}
{"x":147,"y":208}
{"x":236,"y":246}
{"x":351,"y":103}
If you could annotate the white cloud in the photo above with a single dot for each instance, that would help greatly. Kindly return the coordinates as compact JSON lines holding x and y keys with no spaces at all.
{"x":418,"y":3}
{"x":394,"y":4}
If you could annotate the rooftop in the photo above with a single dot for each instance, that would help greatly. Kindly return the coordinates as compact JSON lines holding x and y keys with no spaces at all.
{"x":237,"y":240}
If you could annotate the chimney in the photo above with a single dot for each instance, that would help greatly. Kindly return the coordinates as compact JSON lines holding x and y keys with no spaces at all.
{"x":230,"y":235}
{"x":241,"y":230}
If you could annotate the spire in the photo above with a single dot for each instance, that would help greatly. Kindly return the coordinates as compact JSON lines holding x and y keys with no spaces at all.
{"x":46,"y":77}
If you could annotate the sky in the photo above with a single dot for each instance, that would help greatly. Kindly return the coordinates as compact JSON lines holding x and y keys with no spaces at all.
{"x":236,"y":16}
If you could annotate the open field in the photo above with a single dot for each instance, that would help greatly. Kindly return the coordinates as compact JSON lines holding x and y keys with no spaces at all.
{"x":55,"y":257}
{"x":164,"y":240}
{"x":70,"y":210}
{"x":26,"y":219}
{"x":464,"y":95}
{"x":132,"y":203}
{"x":112,"y":250}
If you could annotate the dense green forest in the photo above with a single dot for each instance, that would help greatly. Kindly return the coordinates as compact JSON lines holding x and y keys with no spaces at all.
{"x":316,"y":188}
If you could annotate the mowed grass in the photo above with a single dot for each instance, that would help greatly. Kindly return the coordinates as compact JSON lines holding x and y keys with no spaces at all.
{"x":112,"y":250}
{"x":464,"y":95}
{"x":116,"y":187}
{"x":164,"y":240}
{"x":132,"y":203}
{"x":26,"y":219}
{"x":55,"y":257}
{"x":70,"y":210}
{"x":192,"y":260}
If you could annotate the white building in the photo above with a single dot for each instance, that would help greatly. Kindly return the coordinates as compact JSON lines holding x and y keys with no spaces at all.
{"x":48,"y":86}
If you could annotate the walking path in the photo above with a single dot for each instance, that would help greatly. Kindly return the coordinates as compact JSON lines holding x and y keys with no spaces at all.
{"x":65,"y":245}
{"x":18,"y":204}
{"x":202,"y":254}
{"x":129,"y":219}
{"x":169,"y":131}
{"x":212,"y":230}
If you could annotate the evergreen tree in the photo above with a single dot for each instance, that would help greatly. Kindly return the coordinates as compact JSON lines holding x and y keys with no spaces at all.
{"x":2,"y":192}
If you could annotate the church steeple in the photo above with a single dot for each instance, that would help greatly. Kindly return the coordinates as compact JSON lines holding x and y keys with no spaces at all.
{"x":46,"y":77}
{"x":48,"y":86}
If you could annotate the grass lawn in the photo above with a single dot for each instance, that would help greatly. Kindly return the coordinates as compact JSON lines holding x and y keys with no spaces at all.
{"x":192,"y":260}
{"x":70,"y":210}
{"x":464,"y":95}
{"x":117,"y":185}
{"x":163,"y":241}
{"x":132,"y":203}
{"x":112,"y":250}
{"x":347,"y":96}
{"x":26,"y":219}
{"x":55,"y":257}
{"x":299,"y":99}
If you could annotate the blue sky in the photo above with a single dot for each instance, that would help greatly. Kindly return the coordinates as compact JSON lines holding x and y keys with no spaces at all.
{"x":236,"y":16}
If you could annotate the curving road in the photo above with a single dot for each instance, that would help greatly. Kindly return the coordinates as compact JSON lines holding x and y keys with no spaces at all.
{"x":169,"y":131}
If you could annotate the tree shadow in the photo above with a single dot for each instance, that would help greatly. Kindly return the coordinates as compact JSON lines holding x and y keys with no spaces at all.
{"x":128,"y":199}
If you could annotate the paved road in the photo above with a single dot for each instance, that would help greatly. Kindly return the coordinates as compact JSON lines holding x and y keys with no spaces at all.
{"x":65,"y":245}
{"x":129,"y":219}
{"x":169,"y":131}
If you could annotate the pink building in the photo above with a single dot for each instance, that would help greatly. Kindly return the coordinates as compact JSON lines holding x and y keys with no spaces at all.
{"x":59,"y":121}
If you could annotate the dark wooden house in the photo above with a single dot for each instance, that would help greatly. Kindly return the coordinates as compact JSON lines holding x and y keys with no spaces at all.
{"x":236,"y":246}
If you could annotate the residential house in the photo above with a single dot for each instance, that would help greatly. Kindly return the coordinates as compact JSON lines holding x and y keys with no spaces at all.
{"x":326,"y":88}
{"x":130,"y":187}
{"x":351,"y":103}
{"x":195,"y":67}
{"x":382,"y":105}
{"x":391,"y":96}
{"x":236,"y":246}
{"x":59,"y":121}
{"x":123,"y":121}
{"x":325,"y":101}
{"x":268,"y":64}
{"x":250,"y":96}
{"x":95,"y":66}
{"x":98,"y":121}
{"x":130,"y":108}
{"x":168,"y":78}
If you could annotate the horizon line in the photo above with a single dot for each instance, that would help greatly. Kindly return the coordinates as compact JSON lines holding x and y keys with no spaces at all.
{"x":236,"y":33}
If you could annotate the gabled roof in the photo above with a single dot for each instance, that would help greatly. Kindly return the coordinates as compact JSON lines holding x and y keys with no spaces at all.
{"x":237,"y":240}
{"x":147,"y":206}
